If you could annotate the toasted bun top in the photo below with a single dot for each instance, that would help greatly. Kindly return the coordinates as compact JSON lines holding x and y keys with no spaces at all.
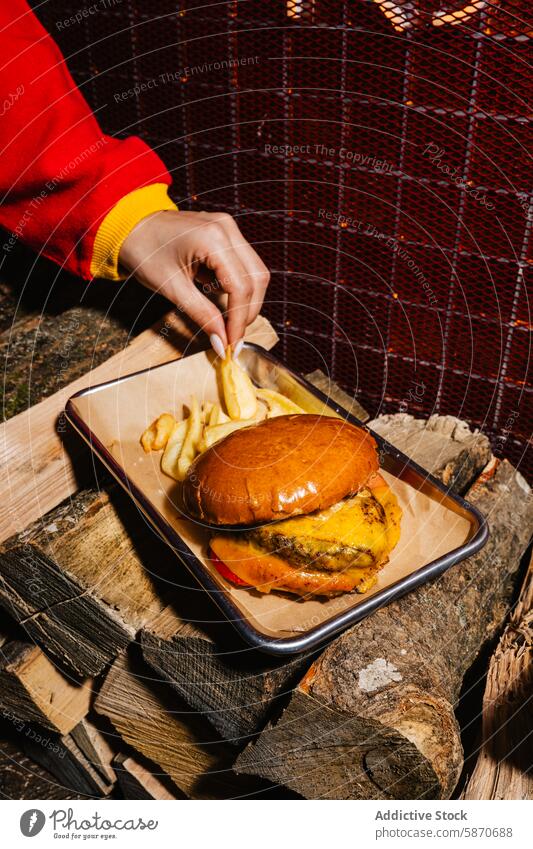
{"x":281,"y":467}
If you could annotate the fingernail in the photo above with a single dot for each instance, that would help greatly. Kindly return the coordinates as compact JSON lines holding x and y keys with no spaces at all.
{"x":237,"y":348}
{"x":217,"y":345}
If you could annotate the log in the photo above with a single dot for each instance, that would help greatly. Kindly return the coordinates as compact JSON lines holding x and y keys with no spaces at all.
{"x":444,"y":445}
{"x":76,"y":583}
{"x":21,"y":778}
{"x":137,"y":782}
{"x":329,"y":388}
{"x":33,"y":690}
{"x":45,"y":352}
{"x":94,"y":741}
{"x":33,"y":488}
{"x":504,"y":766}
{"x":11,"y":311}
{"x":236,"y":690}
{"x":153,"y":721}
{"x":373,"y":718}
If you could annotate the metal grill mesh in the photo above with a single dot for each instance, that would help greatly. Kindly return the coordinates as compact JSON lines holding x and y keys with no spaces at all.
{"x":379,"y":162}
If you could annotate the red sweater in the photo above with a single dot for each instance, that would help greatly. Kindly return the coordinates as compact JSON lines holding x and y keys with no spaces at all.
{"x":59,"y":174}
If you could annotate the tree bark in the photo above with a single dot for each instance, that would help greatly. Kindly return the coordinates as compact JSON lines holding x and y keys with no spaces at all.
{"x":48,"y":351}
{"x":95,"y":743}
{"x":329,"y":388}
{"x":63,"y":758}
{"x":373,"y":717}
{"x":504,"y":768}
{"x":233,"y":687}
{"x":37,"y":480}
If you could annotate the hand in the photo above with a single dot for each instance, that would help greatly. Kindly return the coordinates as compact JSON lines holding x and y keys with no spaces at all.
{"x":167,"y":251}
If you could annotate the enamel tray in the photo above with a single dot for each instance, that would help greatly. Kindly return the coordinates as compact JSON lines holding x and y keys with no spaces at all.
{"x":439,"y":528}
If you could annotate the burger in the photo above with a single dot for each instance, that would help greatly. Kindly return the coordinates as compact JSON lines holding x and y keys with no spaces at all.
{"x":297,"y":504}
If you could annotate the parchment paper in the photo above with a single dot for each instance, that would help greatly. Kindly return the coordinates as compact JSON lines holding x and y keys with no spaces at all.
{"x":118,"y":414}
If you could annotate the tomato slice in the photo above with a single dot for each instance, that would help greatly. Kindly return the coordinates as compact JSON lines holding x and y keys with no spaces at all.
{"x":225,"y":571}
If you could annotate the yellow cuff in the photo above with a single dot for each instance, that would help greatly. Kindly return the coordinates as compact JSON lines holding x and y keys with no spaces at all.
{"x":119,"y":223}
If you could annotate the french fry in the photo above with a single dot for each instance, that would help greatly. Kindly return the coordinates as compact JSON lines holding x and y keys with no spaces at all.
{"x":239,"y":391}
{"x":217,"y":416}
{"x":207,"y":407}
{"x":192,"y":439}
{"x":278,"y":405}
{"x":171,"y":455}
{"x":155,"y":437}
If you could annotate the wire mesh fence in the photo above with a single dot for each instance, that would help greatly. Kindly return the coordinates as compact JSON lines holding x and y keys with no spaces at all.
{"x":377,"y":155}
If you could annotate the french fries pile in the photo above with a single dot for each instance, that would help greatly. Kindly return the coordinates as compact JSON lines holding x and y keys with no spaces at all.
{"x":181,"y":441}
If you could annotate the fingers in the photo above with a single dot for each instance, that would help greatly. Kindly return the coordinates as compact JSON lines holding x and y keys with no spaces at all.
{"x":234,"y":280}
{"x":241,"y":273}
{"x":183,"y":293}
{"x":168,"y":250}
{"x":256,"y":270}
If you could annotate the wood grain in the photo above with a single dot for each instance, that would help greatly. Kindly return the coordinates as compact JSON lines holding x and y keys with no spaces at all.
{"x":62,"y":757}
{"x":76,"y":582}
{"x":137,"y":782}
{"x":151,"y":719}
{"x":21,"y":778}
{"x":33,"y":690}
{"x":504,"y":768}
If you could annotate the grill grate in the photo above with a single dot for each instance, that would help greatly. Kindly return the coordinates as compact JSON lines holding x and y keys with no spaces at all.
{"x":379,"y":164}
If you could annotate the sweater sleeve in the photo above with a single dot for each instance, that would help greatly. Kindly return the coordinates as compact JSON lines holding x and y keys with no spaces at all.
{"x":60,"y":176}
{"x":119,"y":222}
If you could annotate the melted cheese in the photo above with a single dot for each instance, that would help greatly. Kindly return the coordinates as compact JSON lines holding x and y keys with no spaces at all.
{"x":368,"y":524}
{"x":266,"y":571}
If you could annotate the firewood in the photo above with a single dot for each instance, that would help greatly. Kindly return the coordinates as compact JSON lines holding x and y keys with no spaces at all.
{"x":76,"y":581}
{"x":137,"y":782}
{"x":504,"y":766}
{"x":233,"y":687}
{"x":373,"y":717}
{"x":38,"y":472}
{"x":237,"y":690}
{"x":151,"y":719}
{"x":95,"y":744}
{"x":22,"y":778}
{"x":444,"y":445}
{"x":45,"y":352}
{"x":329,"y":388}
{"x":33,"y":690}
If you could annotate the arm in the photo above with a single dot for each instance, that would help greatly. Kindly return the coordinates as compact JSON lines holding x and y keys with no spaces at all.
{"x":93,"y":203}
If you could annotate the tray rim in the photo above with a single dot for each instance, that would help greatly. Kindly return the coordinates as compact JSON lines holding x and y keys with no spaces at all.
{"x":319,"y":634}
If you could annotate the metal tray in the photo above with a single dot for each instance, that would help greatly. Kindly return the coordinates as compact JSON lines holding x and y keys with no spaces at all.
{"x":110,"y":417}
